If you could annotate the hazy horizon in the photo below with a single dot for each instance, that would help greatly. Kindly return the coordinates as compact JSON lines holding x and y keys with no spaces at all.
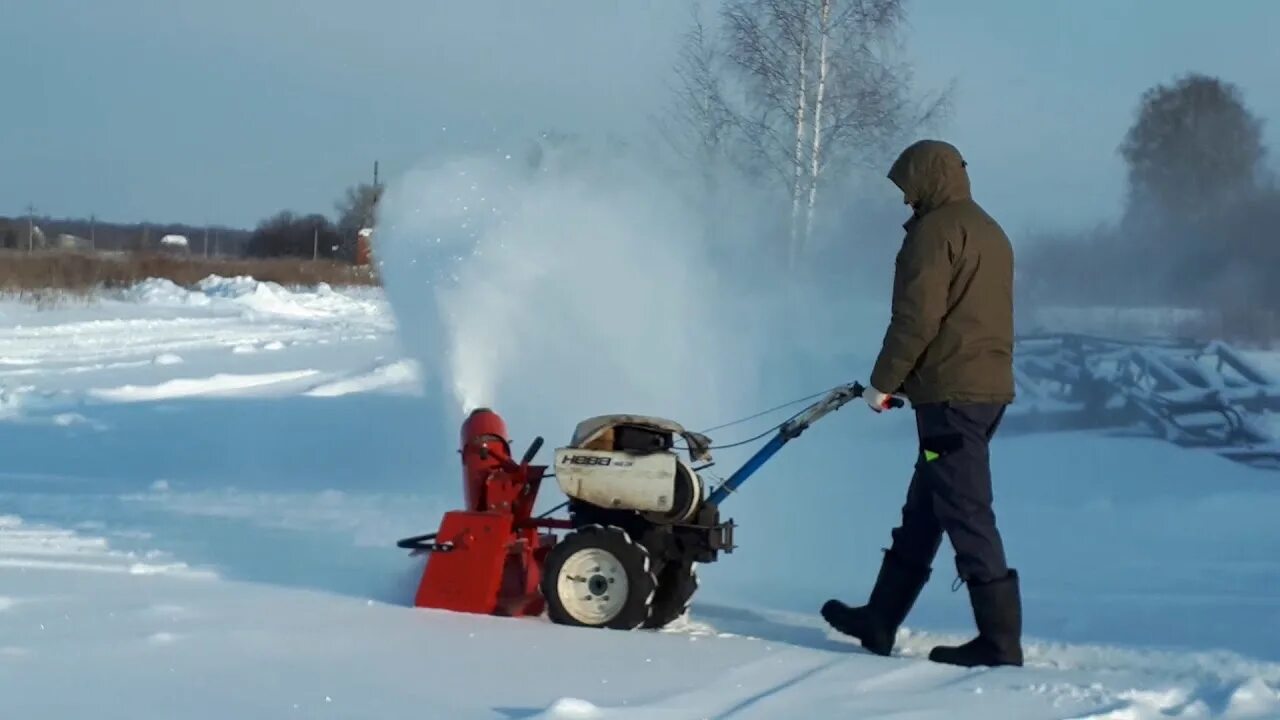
{"x":165,"y":112}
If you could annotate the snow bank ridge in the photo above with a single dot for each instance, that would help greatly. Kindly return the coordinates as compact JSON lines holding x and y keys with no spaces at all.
{"x":248,"y":294}
{"x":33,"y":548}
{"x":223,"y":384}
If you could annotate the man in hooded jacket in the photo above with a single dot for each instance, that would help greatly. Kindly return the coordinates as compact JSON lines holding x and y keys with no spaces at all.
{"x":949,"y":350}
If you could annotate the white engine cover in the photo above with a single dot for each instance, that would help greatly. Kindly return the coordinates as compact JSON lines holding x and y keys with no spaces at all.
{"x":618,"y":480}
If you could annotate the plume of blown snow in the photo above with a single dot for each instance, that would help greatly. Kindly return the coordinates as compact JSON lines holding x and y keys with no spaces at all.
{"x":559,"y":292}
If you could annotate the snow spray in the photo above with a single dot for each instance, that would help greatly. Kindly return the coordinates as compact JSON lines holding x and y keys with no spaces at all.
{"x":556,"y":290}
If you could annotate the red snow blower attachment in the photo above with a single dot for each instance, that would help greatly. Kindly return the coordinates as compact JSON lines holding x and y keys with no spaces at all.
{"x":488,"y":558}
{"x":640,"y":519}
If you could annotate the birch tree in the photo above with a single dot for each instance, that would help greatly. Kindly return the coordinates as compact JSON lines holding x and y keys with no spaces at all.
{"x":699,"y":125}
{"x":820,"y":93}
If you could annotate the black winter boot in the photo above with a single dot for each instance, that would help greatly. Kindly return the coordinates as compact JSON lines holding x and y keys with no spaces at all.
{"x":876,"y":623}
{"x":997,"y":610}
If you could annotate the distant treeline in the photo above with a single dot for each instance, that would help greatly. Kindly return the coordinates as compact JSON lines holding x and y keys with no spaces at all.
{"x":1199,"y":222}
{"x":122,"y":237}
{"x":283,"y":235}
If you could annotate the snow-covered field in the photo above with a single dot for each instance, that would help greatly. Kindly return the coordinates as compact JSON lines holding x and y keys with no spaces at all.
{"x":200,"y":494}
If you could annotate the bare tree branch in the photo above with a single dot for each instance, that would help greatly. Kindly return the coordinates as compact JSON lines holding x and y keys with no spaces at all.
{"x":804,"y":91}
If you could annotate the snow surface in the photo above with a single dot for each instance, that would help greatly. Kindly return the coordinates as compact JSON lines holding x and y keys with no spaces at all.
{"x":192,"y":530}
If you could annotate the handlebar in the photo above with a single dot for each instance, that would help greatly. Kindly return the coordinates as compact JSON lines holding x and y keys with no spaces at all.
{"x":833,"y":401}
{"x":790,"y":430}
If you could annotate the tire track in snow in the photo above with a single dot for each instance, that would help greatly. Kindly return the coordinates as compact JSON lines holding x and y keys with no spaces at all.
{"x":725,"y":696}
{"x":1094,"y":682}
{"x":752,"y":700}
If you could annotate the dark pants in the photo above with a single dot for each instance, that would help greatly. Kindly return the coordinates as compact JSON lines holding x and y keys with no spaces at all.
{"x":951,"y":492}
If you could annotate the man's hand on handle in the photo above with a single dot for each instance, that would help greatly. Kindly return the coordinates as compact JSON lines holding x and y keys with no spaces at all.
{"x":879,"y":401}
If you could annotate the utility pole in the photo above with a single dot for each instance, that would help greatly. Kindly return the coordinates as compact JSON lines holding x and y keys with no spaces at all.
{"x":93,"y":232}
{"x":367,"y":220}
{"x":315,"y":243}
{"x":31,"y":227}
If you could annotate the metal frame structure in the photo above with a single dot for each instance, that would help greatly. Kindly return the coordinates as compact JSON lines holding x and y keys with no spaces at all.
{"x":1206,"y":395}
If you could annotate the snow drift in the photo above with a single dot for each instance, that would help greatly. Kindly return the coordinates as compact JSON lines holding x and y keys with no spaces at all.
{"x":250,"y":295}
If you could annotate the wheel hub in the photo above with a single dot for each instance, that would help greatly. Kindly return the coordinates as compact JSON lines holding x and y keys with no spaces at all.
{"x":598,"y":585}
{"x":593,"y":586}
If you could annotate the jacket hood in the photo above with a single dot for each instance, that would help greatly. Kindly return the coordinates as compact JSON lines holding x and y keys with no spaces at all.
{"x":931,"y":173}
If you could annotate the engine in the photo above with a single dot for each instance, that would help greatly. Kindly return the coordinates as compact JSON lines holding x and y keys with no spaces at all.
{"x":631,"y":463}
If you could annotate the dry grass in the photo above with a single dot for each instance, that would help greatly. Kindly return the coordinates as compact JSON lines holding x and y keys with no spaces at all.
{"x":37,"y":274}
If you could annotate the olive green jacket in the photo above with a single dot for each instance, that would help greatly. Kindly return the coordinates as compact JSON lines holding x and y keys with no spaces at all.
{"x":950,"y":337}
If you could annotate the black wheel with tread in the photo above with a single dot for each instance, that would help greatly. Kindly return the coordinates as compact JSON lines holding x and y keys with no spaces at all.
{"x":677,"y":582}
{"x":598,"y":577}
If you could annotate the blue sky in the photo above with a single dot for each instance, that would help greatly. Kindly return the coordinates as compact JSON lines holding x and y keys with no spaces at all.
{"x":227,"y":111}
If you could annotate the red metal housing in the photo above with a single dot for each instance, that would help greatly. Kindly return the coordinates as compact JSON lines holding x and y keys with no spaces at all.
{"x":489,"y":557}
